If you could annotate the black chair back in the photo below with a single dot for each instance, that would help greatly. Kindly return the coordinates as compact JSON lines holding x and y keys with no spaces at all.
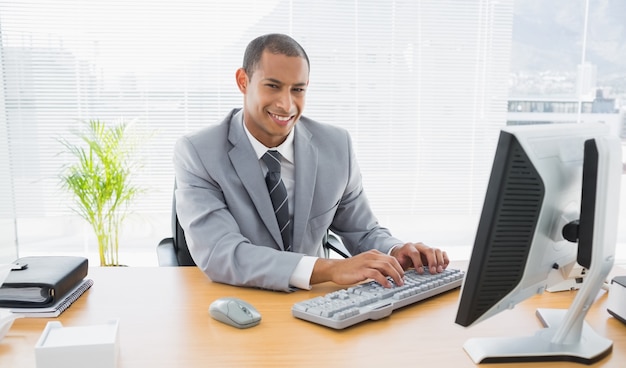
{"x":174,"y":251}
{"x":180,"y":243}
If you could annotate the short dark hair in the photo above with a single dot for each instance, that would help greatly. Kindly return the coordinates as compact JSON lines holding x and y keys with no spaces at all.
{"x":276,"y":43}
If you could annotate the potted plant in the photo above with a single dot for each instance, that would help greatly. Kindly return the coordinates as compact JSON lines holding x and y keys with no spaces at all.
{"x":100,"y":180}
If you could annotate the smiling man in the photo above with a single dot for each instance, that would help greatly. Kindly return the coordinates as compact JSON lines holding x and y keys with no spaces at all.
{"x":257,"y":192}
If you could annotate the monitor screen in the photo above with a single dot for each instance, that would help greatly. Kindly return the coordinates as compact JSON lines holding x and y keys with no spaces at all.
{"x":544,"y":179}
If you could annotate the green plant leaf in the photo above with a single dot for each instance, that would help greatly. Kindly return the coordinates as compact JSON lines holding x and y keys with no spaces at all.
{"x":100,"y":179}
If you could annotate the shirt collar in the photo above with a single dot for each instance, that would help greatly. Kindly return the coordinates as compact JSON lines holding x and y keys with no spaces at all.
{"x":285,"y":149}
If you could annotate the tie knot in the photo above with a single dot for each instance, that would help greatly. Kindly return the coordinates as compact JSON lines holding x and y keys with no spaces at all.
{"x":272,"y":160}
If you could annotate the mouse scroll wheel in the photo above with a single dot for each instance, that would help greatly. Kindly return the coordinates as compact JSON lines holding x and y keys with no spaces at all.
{"x":244,"y":309}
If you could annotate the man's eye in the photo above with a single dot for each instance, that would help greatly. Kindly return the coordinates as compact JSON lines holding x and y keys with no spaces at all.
{"x":299,"y":90}
{"x":271,"y":85}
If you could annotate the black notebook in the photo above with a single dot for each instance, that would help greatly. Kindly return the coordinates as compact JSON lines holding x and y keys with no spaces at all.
{"x":43,"y":281}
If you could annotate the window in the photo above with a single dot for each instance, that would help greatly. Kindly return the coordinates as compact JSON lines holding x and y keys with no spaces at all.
{"x":421,"y":86}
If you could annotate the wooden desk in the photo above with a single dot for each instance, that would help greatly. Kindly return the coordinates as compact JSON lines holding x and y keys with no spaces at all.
{"x":164,"y":322}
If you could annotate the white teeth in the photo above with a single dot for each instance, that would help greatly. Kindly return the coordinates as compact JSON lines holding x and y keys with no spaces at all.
{"x":281,"y":118}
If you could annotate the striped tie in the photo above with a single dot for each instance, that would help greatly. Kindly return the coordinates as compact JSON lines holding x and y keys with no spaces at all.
{"x":278,"y":194}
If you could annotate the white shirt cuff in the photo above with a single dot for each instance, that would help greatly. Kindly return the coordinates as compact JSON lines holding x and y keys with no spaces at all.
{"x":301,"y":276}
{"x":392,"y":248}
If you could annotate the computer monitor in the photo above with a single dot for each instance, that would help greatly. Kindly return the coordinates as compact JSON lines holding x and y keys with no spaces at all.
{"x":545,"y":179}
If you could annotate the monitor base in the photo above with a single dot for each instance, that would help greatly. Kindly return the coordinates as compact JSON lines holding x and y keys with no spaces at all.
{"x":589,"y":349}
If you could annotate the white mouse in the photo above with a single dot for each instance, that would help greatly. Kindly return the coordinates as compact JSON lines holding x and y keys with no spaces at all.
{"x":235,"y":312}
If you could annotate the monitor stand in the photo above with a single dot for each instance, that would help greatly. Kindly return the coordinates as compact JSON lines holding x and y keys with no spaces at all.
{"x":589,"y":349}
{"x":565,"y":336}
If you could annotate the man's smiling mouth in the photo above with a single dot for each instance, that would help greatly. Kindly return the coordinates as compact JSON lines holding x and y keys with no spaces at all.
{"x":280,"y":119}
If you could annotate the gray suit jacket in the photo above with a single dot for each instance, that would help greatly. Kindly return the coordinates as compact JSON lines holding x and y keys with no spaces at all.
{"x":225,"y":210}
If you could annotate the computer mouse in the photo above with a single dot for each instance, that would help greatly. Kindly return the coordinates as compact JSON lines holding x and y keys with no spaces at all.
{"x":235,"y":312}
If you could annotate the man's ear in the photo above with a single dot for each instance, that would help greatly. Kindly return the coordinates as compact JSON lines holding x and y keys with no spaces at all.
{"x":242,"y":80}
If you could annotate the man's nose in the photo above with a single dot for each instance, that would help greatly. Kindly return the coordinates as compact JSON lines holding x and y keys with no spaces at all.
{"x":285,"y":101}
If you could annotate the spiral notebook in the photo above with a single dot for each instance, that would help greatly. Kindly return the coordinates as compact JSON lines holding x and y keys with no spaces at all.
{"x":60,"y":306}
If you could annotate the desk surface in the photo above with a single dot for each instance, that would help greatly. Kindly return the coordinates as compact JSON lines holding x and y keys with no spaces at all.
{"x":164,"y":322}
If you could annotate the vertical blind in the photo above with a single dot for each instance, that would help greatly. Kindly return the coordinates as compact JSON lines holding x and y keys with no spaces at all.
{"x":421,"y":86}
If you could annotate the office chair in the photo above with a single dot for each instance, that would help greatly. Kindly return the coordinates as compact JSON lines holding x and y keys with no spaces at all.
{"x":173,"y":251}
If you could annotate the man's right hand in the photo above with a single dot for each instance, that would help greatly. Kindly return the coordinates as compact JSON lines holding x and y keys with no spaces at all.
{"x":368,"y":265}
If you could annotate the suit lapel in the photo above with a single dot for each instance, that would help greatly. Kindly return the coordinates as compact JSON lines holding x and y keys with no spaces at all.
{"x":306,"y":172}
{"x":242,"y":157}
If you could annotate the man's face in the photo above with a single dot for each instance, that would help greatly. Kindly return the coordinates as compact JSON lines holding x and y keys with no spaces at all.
{"x":274,"y":97}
